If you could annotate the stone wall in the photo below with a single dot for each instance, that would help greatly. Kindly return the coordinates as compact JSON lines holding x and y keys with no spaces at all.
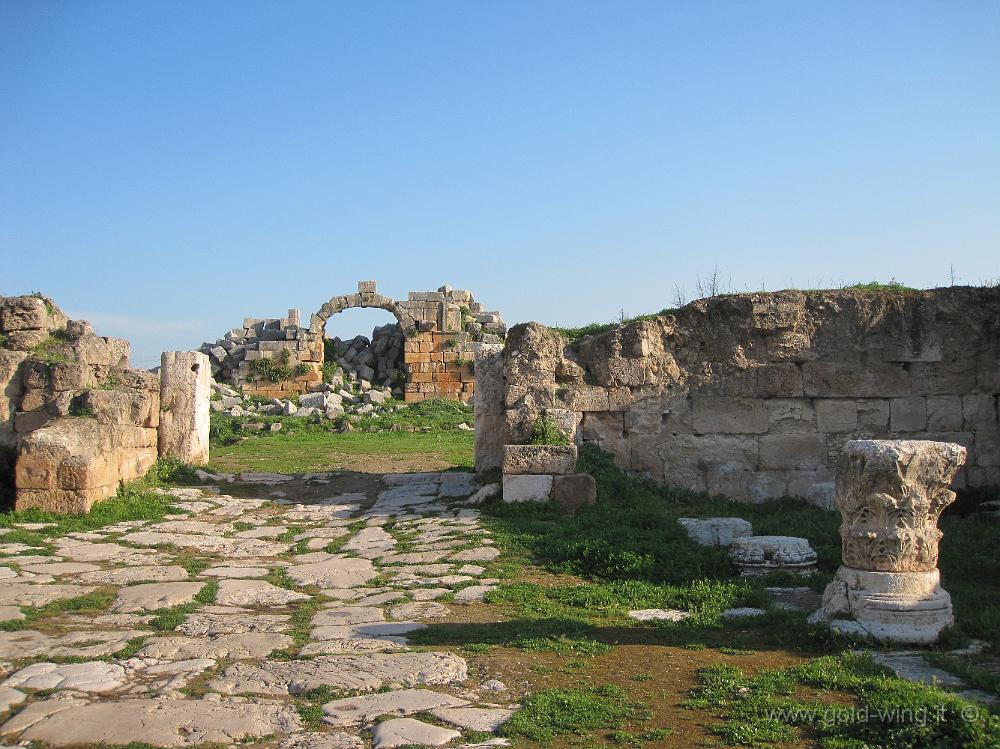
{"x":75,"y":419}
{"x":440,"y":329}
{"x":753,"y":396}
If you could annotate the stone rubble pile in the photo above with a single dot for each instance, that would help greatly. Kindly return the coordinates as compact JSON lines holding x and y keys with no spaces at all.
{"x":341,"y":397}
{"x":232,"y":356}
{"x":368,"y":568}
{"x":378,"y":360}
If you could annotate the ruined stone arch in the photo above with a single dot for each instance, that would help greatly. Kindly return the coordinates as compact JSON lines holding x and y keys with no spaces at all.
{"x":366,"y":297}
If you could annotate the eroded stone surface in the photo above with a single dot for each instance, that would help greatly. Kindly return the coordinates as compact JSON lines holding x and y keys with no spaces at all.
{"x":255,"y":593}
{"x":487,"y":720}
{"x":232,"y":646}
{"x":153,"y":596}
{"x":410,"y":732}
{"x":355,"y":710}
{"x":659,"y":615}
{"x":169,"y":723}
{"x":358,"y":672}
{"x":716,"y":531}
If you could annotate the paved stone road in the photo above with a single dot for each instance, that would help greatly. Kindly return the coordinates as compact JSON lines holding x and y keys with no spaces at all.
{"x":235,"y":668}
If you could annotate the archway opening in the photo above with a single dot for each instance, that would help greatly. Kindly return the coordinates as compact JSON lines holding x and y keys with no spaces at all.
{"x":358,"y":357}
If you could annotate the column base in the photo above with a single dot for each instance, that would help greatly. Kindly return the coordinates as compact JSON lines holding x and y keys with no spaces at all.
{"x":907,"y":607}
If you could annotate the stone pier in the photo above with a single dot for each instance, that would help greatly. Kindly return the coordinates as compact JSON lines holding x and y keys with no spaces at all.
{"x":185,"y":392}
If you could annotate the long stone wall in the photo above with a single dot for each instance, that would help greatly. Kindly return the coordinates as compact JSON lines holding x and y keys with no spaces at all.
{"x":753,"y":396}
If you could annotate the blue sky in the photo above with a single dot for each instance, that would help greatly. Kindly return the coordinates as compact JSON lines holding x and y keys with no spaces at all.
{"x":169,"y":168}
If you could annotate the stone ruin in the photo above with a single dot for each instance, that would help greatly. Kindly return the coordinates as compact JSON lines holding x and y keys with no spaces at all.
{"x":427,"y":353}
{"x":754,"y":396}
{"x":891,"y":495}
{"x":76,"y":419}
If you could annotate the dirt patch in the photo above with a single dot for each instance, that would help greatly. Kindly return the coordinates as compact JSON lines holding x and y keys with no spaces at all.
{"x":659,"y":676}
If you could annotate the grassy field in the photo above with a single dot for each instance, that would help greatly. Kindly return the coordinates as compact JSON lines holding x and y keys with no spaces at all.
{"x":421,"y":436}
{"x":300,"y":451}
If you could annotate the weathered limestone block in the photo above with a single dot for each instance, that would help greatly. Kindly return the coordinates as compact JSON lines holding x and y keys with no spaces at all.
{"x":108,"y":352}
{"x":843,"y":379}
{"x":873,"y":415}
{"x":30,"y":313}
{"x":73,"y":462}
{"x":729,"y":415}
{"x":72,"y":376}
{"x":836,"y":415}
{"x":488,"y":406}
{"x":891,"y":494}
{"x":585,"y":398}
{"x":765,"y":485}
{"x":539,"y":459}
{"x":527,"y":488}
{"x":791,"y":415}
{"x":759,"y":555}
{"x":716,"y":531}
{"x":815,"y":486}
{"x":137,"y":407}
{"x":944,"y":413}
{"x":792,"y":451}
{"x":185,"y":392}
{"x":908,"y":414}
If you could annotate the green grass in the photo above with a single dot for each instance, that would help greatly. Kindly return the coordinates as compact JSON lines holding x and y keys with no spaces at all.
{"x":575,"y":335}
{"x":436,"y":414}
{"x":551,"y":713}
{"x":92,"y":603}
{"x":769,"y":708}
{"x":168,"y":619}
{"x":307,"y":450}
{"x":892,"y":286}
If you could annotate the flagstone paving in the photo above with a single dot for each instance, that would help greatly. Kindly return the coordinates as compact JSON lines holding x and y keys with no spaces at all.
{"x":222,"y":621}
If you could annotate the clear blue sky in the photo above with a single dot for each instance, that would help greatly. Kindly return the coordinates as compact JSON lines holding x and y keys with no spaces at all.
{"x":169,"y":168}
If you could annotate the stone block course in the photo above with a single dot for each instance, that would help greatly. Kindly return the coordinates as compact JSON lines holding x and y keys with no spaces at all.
{"x":539,"y":459}
{"x":792,"y":451}
{"x":722,"y":415}
{"x":843,"y":379}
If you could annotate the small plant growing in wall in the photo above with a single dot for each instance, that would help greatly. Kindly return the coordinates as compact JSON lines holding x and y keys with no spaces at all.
{"x":545,"y":432}
{"x":277,"y":369}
